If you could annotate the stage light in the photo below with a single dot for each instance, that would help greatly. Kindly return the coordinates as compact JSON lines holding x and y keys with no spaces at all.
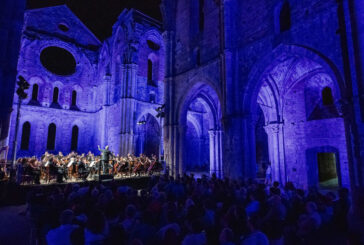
{"x":142,"y":122}
{"x":22,"y":86}
{"x":160,"y":111}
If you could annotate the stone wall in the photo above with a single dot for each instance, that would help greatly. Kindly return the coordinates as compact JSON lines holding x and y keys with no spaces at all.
{"x":246,"y":43}
{"x":109,"y":78}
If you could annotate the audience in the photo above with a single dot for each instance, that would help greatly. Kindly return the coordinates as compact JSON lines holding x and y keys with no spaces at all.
{"x":62,"y":234}
{"x":186,"y":210}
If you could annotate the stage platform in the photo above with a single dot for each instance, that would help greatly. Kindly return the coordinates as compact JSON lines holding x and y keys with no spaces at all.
{"x":94,"y":178}
{"x":14,"y":194}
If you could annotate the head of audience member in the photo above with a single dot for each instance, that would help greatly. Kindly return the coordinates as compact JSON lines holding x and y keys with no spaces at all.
{"x":66,"y":217}
{"x":96,"y":222}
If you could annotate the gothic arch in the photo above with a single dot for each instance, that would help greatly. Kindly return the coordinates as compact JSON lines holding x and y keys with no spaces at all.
{"x":195,"y":86}
{"x":147,"y":111}
{"x":201,"y":99}
{"x":148,"y":132}
{"x":279,"y":84}
{"x":255,"y":77}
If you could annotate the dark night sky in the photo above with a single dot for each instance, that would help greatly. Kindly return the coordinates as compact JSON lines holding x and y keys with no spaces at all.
{"x":100,"y":15}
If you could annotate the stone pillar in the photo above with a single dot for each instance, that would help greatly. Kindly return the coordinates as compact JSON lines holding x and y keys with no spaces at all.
{"x":170,"y":128}
{"x":356,"y":121}
{"x":161,"y":143}
{"x":11,"y":23}
{"x":215,"y":146}
{"x":107,"y":80}
{"x":275,"y":132}
{"x":171,"y":142}
{"x":127,"y":108}
{"x":233,"y":148}
{"x":103,"y":126}
{"x":357,"y":8}
{"x":181,"y":164}
{"x":249,"y":146}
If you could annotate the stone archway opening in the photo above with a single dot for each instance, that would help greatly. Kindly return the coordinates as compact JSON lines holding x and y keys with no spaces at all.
{"x":148,"y":136}
{"x":327,"y":170}
{"x":201,"y":137}
{"x":197,"y":157}
{"x":261,"y":145}
{"x":292,"y":99}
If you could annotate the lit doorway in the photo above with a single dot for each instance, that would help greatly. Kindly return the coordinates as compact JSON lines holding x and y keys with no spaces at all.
{"x":327,"y":170}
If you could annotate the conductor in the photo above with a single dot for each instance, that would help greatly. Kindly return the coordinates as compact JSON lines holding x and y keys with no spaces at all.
{"x":105,"y":158}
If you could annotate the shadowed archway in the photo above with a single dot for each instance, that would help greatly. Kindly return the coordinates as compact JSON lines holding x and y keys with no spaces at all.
{"x":288,"y":87}
{"x":148,"y":136}
{"x":201,"y":135}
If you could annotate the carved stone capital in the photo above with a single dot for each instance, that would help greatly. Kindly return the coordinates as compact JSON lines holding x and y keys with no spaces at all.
{"x":273,"y":128}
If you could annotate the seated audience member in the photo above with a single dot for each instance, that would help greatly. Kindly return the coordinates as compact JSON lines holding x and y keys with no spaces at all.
{"x":204,"y":211}
{"x":62,"y":234}
{"x":254,"y":236}
{"x":226,"y":237}
{"x":96,"y":228}
{"x":196,"y":235}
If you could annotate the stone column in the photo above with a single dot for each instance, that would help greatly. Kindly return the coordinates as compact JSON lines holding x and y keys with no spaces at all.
{"x":357,"y":8}
{"x":11,"y":23}
{"x":127,"y":108}
{"x":215,"y":146}
{"x":171,"y":144}
{"x":170,"y":128}
{"x":105,"y":112}
{"x":249,"y":145}
{"x":275,"y":134}
{"x":107,"y":80}
{"x":233,"y":148}
{"x":161,"y":143}
{"x":356,"y":121}
{"x":180,"y":164}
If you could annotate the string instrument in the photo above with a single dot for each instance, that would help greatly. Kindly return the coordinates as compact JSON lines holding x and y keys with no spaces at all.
{"x":139,"y":165}
{"x":152,"y":165}
{"x":116,"y":166}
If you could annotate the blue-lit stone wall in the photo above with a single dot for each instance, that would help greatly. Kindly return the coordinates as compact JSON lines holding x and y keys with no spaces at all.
{"x":109,"y":79}
{"x":245,"y":59}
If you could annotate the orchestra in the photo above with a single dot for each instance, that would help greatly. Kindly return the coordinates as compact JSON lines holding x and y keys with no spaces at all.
{"x":81,"y":167}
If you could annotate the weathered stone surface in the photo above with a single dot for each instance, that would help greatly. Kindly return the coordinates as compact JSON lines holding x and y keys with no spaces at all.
{"x":113,"y":92}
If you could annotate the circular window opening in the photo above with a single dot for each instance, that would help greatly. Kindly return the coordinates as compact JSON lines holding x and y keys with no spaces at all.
{"x":63,"y":27}
{"x":58,"y":61}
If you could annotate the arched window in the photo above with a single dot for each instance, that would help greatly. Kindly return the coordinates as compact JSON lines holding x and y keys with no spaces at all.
{"x":35,"y":92}
{"x":25,"y":136}
{"x":150,"y":71}
{"x":55,"y":95}
{"x":51,"y":140}
{"x":74,"y":98}
{"x":285,"y":17}
{"x":327,"y":98}
{"x":201,"y":21}
{"x":74,"y":140}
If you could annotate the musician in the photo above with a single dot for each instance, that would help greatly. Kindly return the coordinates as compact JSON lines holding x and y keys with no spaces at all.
{"x":105,"y":158}
{"x":33,"y":169}
{"x":90,"y":157}
{"x":19,"y":170}
{"x":45,"y":156}
{"x":82,"y":170}
{"x":60,"y":155}
{"x":93,"y":166}
{"x":72,"y":163}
